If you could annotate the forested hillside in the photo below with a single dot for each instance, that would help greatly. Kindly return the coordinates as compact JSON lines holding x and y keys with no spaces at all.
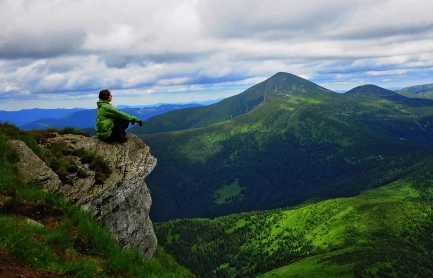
{"x":302,"y":141}
{"x":385,"y":232}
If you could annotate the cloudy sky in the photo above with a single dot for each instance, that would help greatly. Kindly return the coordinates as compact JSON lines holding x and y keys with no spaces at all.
{"x":61,"y":53}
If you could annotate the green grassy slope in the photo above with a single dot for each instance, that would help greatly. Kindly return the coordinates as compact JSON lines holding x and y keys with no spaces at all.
{"x":285,"y":151}
{"x":415,"y":190}
{"x":417,"y":186}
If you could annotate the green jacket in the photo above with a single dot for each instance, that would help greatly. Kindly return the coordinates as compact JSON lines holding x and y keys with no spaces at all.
{"x":105,"y":116}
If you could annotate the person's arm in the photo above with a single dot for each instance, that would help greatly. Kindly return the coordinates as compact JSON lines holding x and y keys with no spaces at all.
{"x":111,"y":112}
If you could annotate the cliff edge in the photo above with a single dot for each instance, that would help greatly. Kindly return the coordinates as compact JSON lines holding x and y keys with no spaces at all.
{"x":122,"y":201}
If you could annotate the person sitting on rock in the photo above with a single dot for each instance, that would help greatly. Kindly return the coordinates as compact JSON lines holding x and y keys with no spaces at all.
{"x":110,"y":122}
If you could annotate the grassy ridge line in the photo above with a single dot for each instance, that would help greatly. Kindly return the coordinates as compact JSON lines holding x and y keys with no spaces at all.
{"x":365,"y":235}
{"x":78,"y":246}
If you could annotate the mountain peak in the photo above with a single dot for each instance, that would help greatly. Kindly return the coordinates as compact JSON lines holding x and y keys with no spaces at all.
{"x":283,"y":84}
{"x":370,"y":90}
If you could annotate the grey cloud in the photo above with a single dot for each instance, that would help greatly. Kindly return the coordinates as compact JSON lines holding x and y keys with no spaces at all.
{"x":116,"y":60}
{"x":189,"y":78}
{"x":357,"y":66}
{"x":31,"y":45}
{"x":12,"y":65}
{"x":178,"y":57}
{"x":64,"y":64}
{"x":194,"y":78}
{"x":272,"y":20}
{"x":382,"y":31}
{"x":292,"y":21}
{"x":348,"y":67}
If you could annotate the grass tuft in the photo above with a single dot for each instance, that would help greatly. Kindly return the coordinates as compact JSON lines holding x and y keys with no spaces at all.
{"x":96,"y":163}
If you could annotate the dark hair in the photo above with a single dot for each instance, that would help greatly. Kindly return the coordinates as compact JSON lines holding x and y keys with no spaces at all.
{"x":104,"y":94}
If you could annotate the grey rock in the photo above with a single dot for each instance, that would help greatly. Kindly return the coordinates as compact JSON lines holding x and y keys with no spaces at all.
{"x":122,"y":202}
{"x":34,"y":169}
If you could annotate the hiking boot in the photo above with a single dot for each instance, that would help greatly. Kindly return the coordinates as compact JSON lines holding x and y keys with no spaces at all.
{"x":121,"y":139}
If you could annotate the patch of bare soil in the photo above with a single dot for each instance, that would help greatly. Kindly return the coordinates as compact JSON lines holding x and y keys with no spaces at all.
{"x":11,"y":268}
{"x":42,"y":213}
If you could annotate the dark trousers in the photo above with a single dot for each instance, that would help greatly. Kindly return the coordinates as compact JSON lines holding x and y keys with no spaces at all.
{"x":118,"y":129}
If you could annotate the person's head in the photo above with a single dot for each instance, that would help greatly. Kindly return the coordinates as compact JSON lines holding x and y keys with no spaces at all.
{"x":105,"y":95}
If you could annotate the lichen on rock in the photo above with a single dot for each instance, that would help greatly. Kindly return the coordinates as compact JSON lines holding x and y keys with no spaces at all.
{"x":122,"y":202}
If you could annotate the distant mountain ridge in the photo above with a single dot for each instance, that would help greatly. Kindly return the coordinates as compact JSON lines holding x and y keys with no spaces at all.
{"x":419,"y":91}
{"x":376,"y":91}
{"x":86,"y":118}
{"x":371,"y":90}
{"x":25,"y":116}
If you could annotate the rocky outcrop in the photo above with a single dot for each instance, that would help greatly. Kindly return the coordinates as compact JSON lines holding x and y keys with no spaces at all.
{"x":122,"y":202}
{"x":34,"y":169}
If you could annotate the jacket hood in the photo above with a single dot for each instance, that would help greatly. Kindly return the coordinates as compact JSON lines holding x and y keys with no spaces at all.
{"x":101,"y":102}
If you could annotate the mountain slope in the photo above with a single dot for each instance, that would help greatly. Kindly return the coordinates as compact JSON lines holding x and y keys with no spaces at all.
{"x":375,"y":92}
{"x":288,"y":149}
{"x":384,"y":232}
{"x":348,"y":237}
{"x":372,"y":91}
{"x":280,"y":86}
{"x":419,"y":91}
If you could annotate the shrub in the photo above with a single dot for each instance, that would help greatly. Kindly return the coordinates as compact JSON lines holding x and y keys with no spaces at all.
{"x":73,"y":130}
{"x":96,"y":163}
